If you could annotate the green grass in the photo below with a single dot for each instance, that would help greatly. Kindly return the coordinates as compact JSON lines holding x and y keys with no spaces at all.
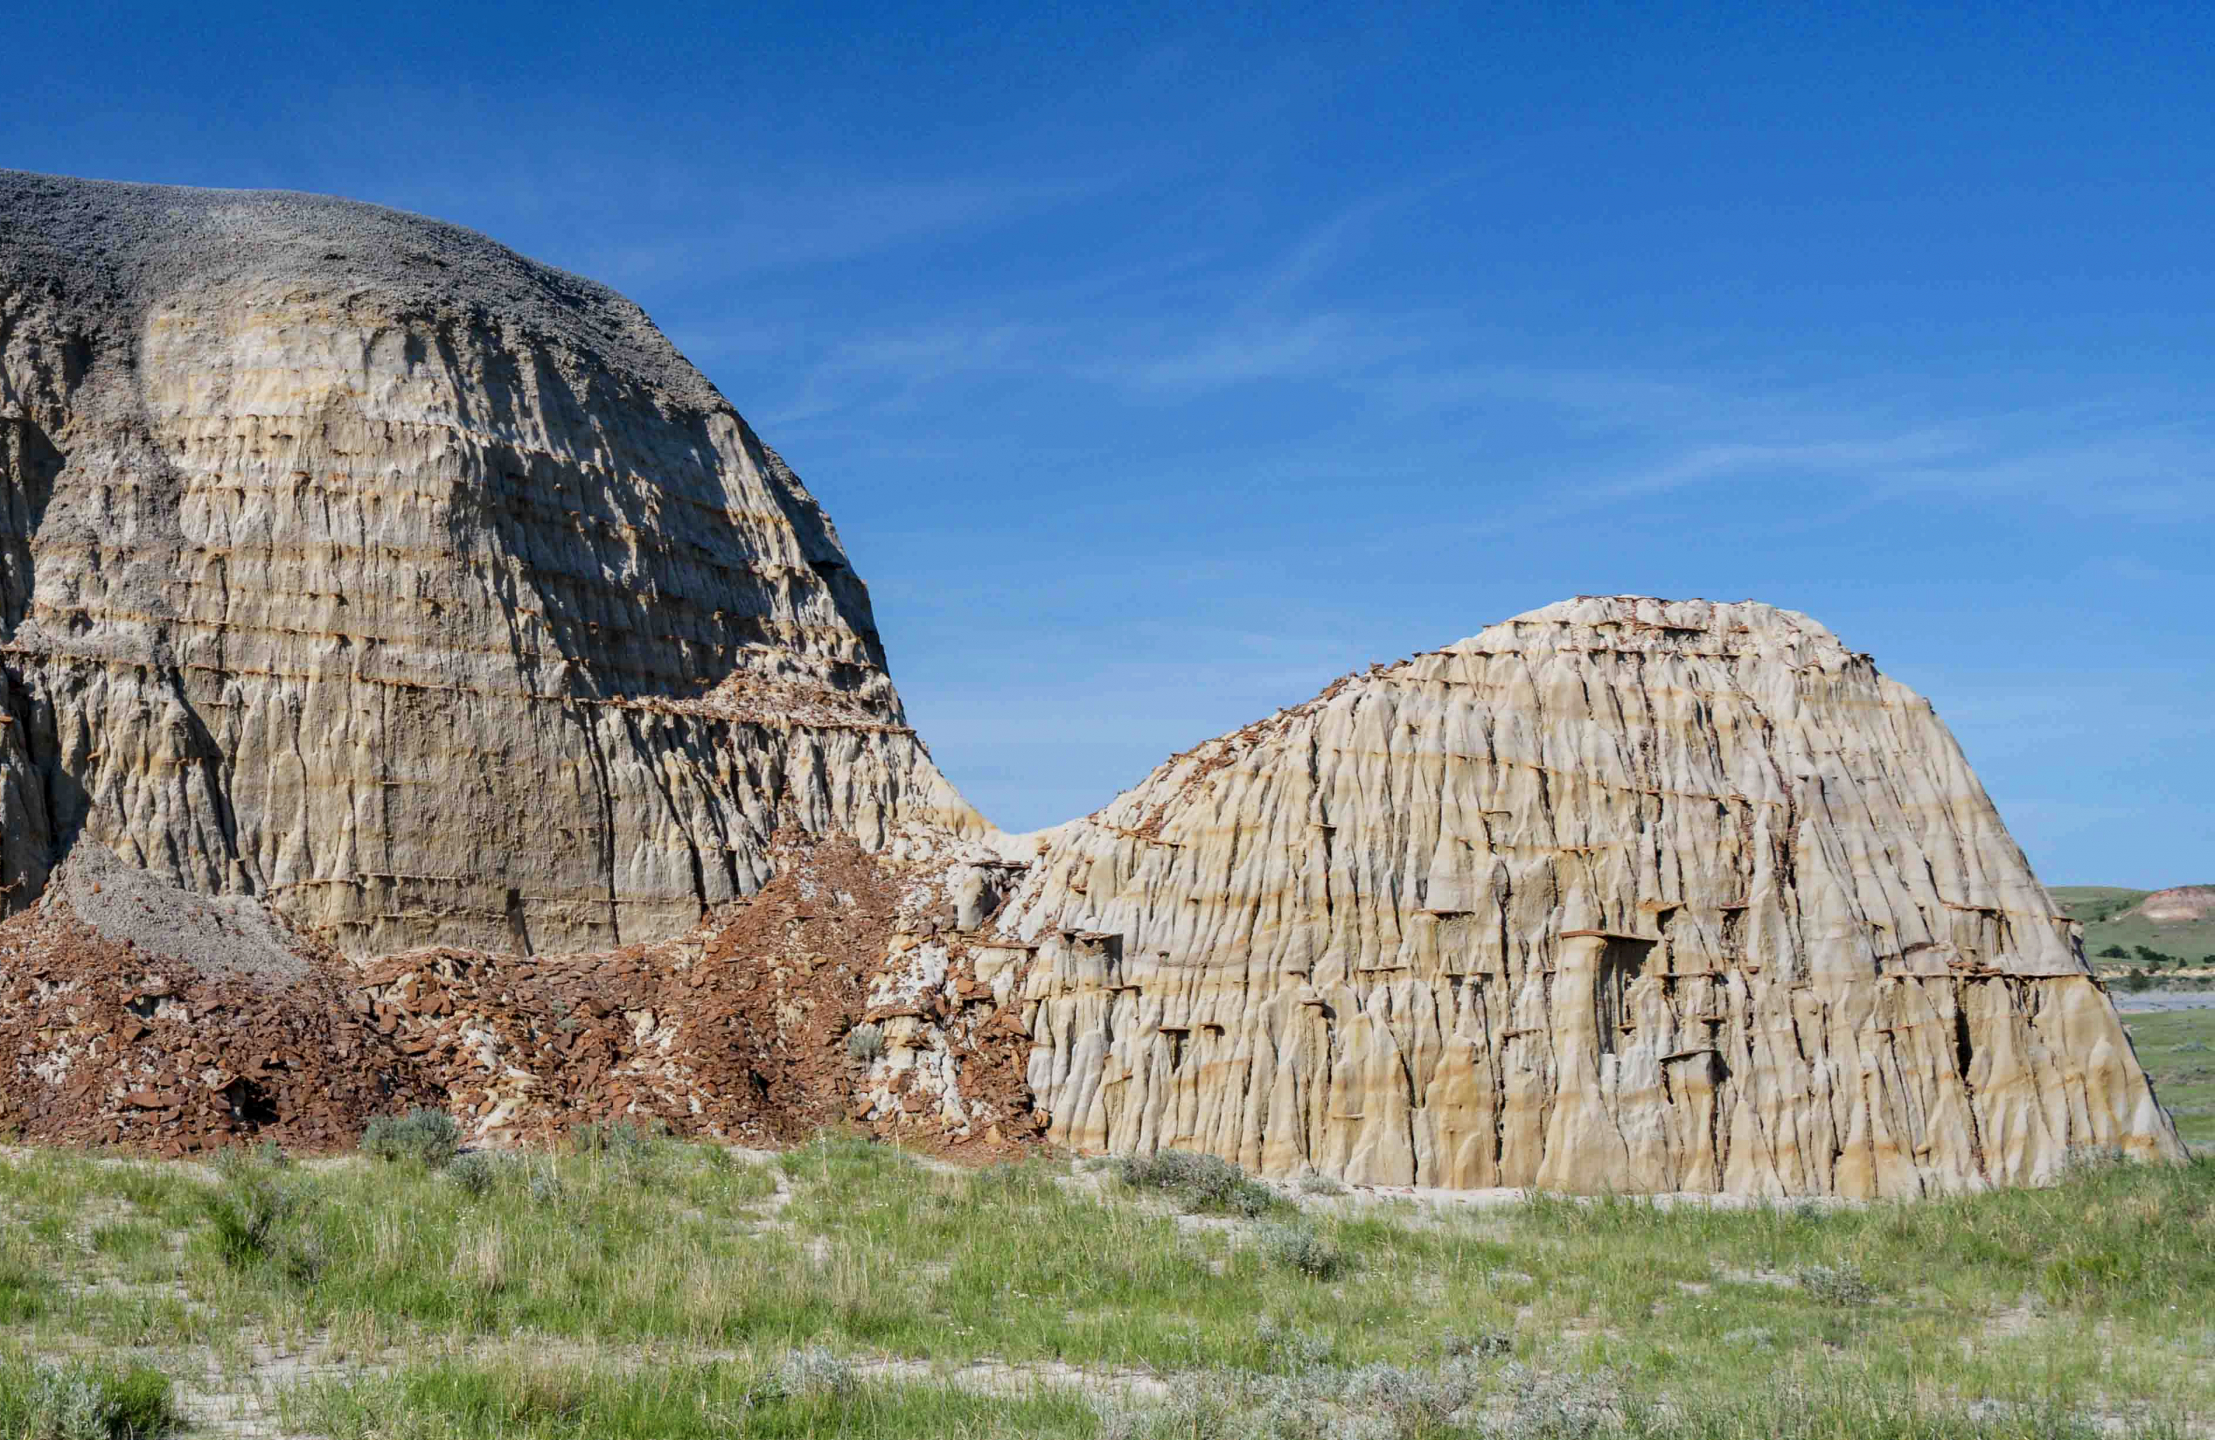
{"x":2100,"y":908}
{"x":2177,"y":1047}
{"x":82,"y":1400}
{"x":651,"y":1264}
{"x":462,"y":1401}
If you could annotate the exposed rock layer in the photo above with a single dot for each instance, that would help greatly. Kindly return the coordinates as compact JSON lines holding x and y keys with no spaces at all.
{"x":2181,"y":904}
{"x":139,"y":1015}
{"x":1621,"y":894}
{"x":355,"y":567}
{"x":350,"y":559}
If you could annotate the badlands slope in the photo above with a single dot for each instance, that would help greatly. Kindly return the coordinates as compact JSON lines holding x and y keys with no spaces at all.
{"x":426,"y":605}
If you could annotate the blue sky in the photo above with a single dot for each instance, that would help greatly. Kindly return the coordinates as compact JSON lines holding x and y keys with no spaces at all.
{"x":1160,"y":364}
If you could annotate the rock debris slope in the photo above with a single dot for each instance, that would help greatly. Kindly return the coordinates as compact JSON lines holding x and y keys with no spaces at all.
{"x":1622,"y":894}
{"x":351,"y":560}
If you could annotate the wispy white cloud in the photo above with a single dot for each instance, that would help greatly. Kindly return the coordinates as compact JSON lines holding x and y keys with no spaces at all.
{"x":892,"y":370}
{"x":1676,"y":433}
{"x":1243,"y":352}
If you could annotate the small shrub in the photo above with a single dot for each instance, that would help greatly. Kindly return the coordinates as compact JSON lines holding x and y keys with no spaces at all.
{"x":1293,"y":1351}
{"x":623,"y":1141}
{"x":1561,"y":1406}
{"x":1485,"y":1345}
{"x":546,"y":1188}
{"x":865,"y":1043}
{"x":1200,"y":1182}
{"x":1840,"y":1284}
{"x":477,"y":1173}
{"x":259,"y":1220}
{"x":1410,"y":1401}
{"x":1315,"y":1182}
{"x":1315,"y":1401}
{"x":815,"y":1371}
{"x":40,"y":1400}
{"x":1298,"y":1247}
{"x":430,"y":1136}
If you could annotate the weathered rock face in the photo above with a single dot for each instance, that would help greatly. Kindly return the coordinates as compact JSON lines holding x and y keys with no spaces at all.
{"x":426,"y":596}
{"x":2180,"y":904}
{"x":1622,"y":894}
{"x":351,"y":560}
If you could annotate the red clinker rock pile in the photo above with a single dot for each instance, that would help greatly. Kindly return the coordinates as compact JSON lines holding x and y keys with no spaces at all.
{"x":109,"y":1044}
{"x":736,"y":1031}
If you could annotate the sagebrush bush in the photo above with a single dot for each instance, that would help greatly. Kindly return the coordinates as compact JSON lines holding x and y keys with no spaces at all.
{"x":1841,"y":1284}
{"x":1299,"y":1247}
{"x":620,"y":1140}
{"x":41,"y":1400}
{"x":430,"y":1136}
{"x":1485,"y":1345}
{"x":1315,"y":1182}
{"x":865,"y":1043}
{"x":813,"y":1371}
{"x":1308,"y":1401}
{"x":1200,"y":1182}
{"x":476,"y":1173}
{"x":1561,"y":1405}
{"x":260,"y":1218}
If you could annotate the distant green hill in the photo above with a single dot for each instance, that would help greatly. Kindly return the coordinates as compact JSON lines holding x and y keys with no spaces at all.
{"x":2111,"y":918}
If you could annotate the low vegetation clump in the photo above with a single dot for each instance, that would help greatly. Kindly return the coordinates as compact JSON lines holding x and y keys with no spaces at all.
{"x":260,"y":1218}
{"x":1836,"y":1284}
{"x":1203,"y":1183}
{"x":715,"y":1400}
{"x":476,"y":1174}
{"x":82,"y":1400}
{"x":1298,"y":1247}
{"x":428,"y":1137}
{"x":865,"y":1043}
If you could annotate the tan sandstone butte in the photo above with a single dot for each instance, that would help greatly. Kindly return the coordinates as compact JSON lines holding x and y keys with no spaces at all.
{"x":1620,"y":895}
{"x":351,"y":560}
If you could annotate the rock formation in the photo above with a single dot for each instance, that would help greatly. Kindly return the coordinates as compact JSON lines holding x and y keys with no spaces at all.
{"x":138,"y":1014}
{"x":1622,"y":894}
{"x":352,"y":560}
{"x":2178,"y":905}
{"x":364,"y":582}
{"x":133,"y":1013}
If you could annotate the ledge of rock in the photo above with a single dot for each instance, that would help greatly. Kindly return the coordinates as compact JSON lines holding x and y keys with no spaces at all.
{"x":1622,"y":894}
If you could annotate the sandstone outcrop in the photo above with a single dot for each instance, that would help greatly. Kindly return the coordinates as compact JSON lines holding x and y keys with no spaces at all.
{"x":350,"y":560}
{"x":483,"y":714}
{"x":1622,"y":894}
{"x":2178,"y":905}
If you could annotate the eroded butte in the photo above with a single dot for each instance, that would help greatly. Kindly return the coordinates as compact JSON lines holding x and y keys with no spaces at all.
{"x":417,"y":681}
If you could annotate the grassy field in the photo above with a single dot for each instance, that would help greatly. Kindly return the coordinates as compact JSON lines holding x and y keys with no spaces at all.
{"x":653,"y":1289}
{"x":2178,"y":1051}
{"x":2101,"y":910}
